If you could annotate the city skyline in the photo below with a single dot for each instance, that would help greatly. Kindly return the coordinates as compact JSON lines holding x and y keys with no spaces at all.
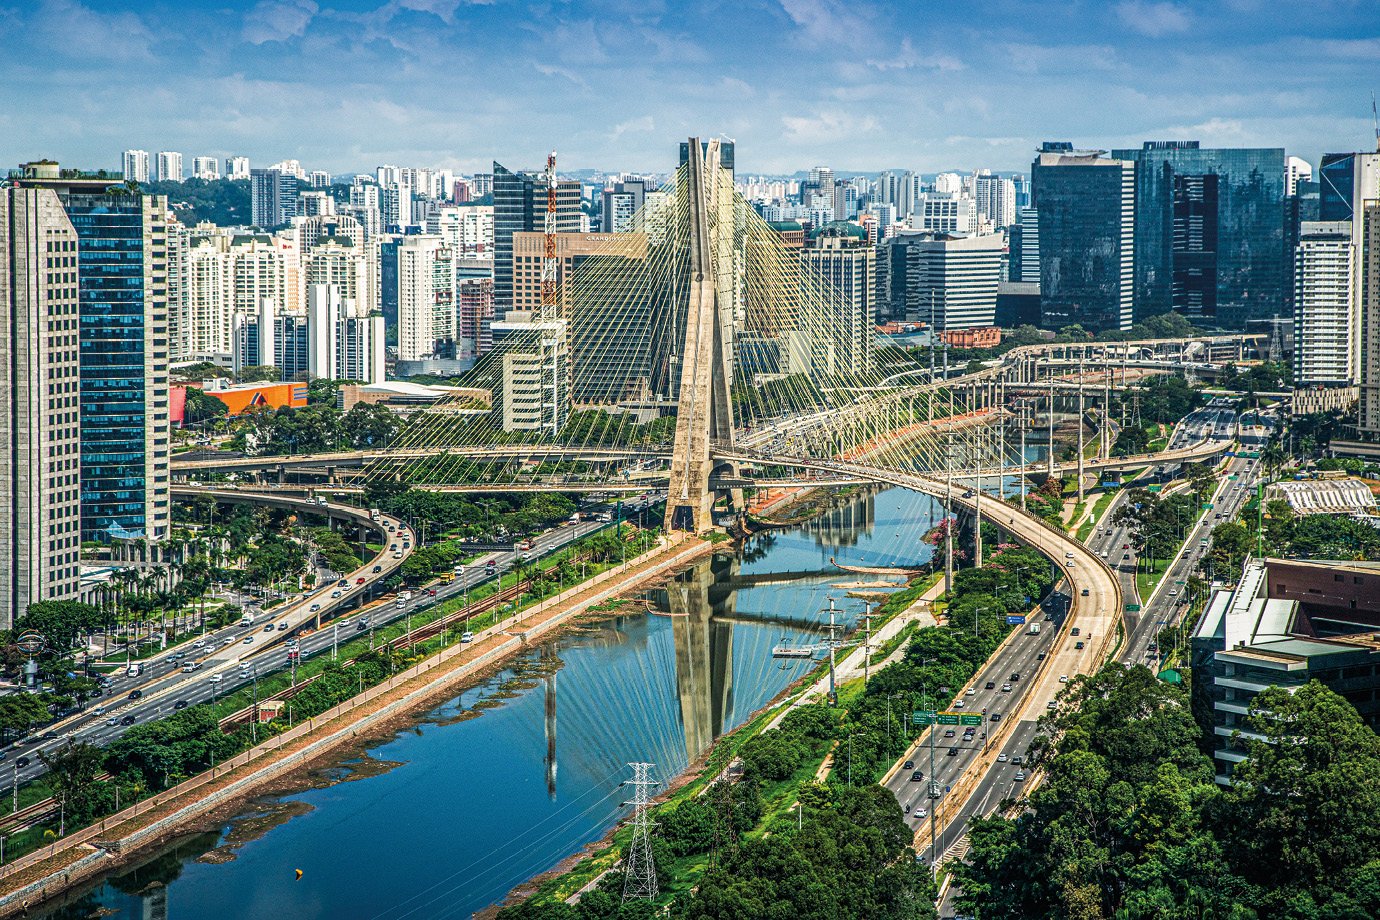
{"x":344,"y":86}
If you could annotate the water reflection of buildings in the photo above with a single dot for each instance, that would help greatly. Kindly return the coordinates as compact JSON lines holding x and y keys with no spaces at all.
{"x":156,"y":904}
{"x":853,"y":515}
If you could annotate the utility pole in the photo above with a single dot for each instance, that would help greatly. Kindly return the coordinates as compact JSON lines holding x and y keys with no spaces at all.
{"x":977,"y":499}
{"x":948,"y":511}
{"x":1051,"y":423}
{"x":833,"y":692}
{"x":639,"y":874}
{"x":1080,"y":430}
{"x":867,"y":641}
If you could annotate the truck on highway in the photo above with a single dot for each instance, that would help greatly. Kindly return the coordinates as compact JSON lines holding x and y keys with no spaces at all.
{"x":1034,"y":629}
{"x":247,"y":619}
{"x":374,"y":515}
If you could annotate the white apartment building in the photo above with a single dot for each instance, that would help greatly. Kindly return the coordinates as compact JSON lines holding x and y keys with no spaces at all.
{"x":237,"y":167}
{"x":426,"y":297}
{"x":169,"y":166}
{"x":350,"y":270}
{"x":40,"y":431}
{"x":466,"y":228}
{"x":135,"y":164}
{"x":996,"y":200}
{"x":315,"y":204}
{"x":205,"y":168}
{"x":1324,"y":300}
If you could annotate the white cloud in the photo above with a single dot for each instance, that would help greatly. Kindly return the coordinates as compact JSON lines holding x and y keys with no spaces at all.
{"x":278,"y":20}
{"x":826,"y":127}
{"x":1153,"y":19}
{"x":908,"y":58}
{"x":644,"y":125}
{"x":74,"y":30}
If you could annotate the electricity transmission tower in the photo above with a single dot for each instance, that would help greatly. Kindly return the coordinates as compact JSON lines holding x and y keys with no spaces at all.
{"x":639,"y":873}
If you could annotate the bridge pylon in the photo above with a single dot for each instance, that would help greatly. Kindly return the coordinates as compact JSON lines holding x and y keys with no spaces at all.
{"x":704,"y":412}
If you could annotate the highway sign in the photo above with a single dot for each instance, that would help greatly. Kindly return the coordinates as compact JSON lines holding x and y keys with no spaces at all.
{"x":970,"y":720}
{"x":948,"y":718}
{"x":1207,"y":506}
{"x":1133,"y":608}
{"x":923,"y":718}
{"x":1015,"y":619}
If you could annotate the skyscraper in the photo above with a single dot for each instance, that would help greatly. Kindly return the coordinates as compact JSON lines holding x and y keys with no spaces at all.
{"x":1210,"y":234}
{"x":426,"y":298}
{"x":136,"y":165}
{"x":205,"y":168}
{"x":169,"y":166}
{"x":996,"y":200}
{"x":950,"y":280}
{"x":122,"y":273}
{"x":847,"y":265}
{"x":1324,"y":303}
{"x":1085,"y":206}
{"x":237,"y":167}
{"x":520,"y":205}
{"x":272,"y":197}
{"x":40,"y":429}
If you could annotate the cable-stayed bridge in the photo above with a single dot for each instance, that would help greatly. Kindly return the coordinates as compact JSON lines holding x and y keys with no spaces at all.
{"x":703,"y":354}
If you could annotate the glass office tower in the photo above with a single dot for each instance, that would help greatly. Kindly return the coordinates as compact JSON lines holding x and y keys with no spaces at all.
{"x":123,"y":287}
{"x":124,"y":365}
{"x":1210,"y":232}
{"x":1085,"y":208}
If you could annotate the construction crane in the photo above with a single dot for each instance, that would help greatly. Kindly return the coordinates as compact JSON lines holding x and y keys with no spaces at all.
{"x":548,"y":265}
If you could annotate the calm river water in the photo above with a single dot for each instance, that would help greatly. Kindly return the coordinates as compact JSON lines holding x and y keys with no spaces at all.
{"x":504,"y":780}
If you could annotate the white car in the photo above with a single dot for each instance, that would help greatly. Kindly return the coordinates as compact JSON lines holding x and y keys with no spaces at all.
{"x":958,"y":704}
{"x":467,"y":636}
{"x":1069,"y":563}
{"x":216,"y":678}
{"x":970,"y":691}
{"x":1063,"y":678}
{"x":922,"y":813}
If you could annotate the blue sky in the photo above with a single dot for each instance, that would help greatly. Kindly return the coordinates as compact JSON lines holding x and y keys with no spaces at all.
{"x":345,"y":85}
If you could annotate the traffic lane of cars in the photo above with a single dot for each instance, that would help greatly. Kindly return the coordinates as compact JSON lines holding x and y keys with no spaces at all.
{"x":1022,"y":658}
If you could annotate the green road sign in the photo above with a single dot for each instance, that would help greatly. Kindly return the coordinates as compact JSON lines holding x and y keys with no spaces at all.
{"x":970,"y":720}
{"x":948,"y":718}
{"x":1178,"y":582}
{"x":925,"y":717}
{"x":1133,"y":608}
{"x":1207,"y":506}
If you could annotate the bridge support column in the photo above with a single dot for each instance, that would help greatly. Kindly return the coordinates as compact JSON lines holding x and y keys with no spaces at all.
{"x":704,"y":412}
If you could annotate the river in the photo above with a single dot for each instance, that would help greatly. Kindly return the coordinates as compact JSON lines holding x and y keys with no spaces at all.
{"x":504,"y":780}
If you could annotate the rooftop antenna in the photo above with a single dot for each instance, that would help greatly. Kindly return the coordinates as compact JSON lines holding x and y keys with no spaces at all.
{"x":1375,"y":121}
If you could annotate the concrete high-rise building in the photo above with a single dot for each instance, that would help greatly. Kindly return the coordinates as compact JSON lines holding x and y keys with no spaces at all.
{"x":1296,"y":170}
{"x":621,"y":202}
{"x":475,"y":314}
{"x":207,"y":168}
{"x":847,"y":265}
{"x":996,"y":200}
{"x":272,"y":197}
{"x":482,"y":184}
{"x":315,"y":204}
{"x":520,"y":205}
{"x":313,"y":231}
{"x":40,"y":427}
{"x":1368,"y":214}
{"x":897,"y":189}
{"x":319,"y":179}
{"x":1210,"y":232}
{"x":1025,"y":265}
{"x":948,"y":280}
{"x":1085,"y":206}
{"x":533,"y":391}
{"x":208,"y":316}
{"x":948,"y":184}
{"x":335,"y":261}
{"x":136,"y":165}
{"x":367,"y":208}
{"x":169,"y":166}
{"x":237,"y":167}
{"x":1325,"y":329}
{"x":426,"y":298}
{"x":467,"y":228}
{"x":122,"y":273}
{"x":944,"y":212}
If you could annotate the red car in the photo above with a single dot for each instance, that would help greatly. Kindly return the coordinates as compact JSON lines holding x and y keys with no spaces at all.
{"x":431,"y":593}
{"x":359,"y":580}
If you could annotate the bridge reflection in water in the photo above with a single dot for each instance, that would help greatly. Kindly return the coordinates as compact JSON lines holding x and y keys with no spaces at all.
{"x":459,"y":809}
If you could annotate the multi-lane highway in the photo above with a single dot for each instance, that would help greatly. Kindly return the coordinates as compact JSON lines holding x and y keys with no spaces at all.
{"x":164,"y":687}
